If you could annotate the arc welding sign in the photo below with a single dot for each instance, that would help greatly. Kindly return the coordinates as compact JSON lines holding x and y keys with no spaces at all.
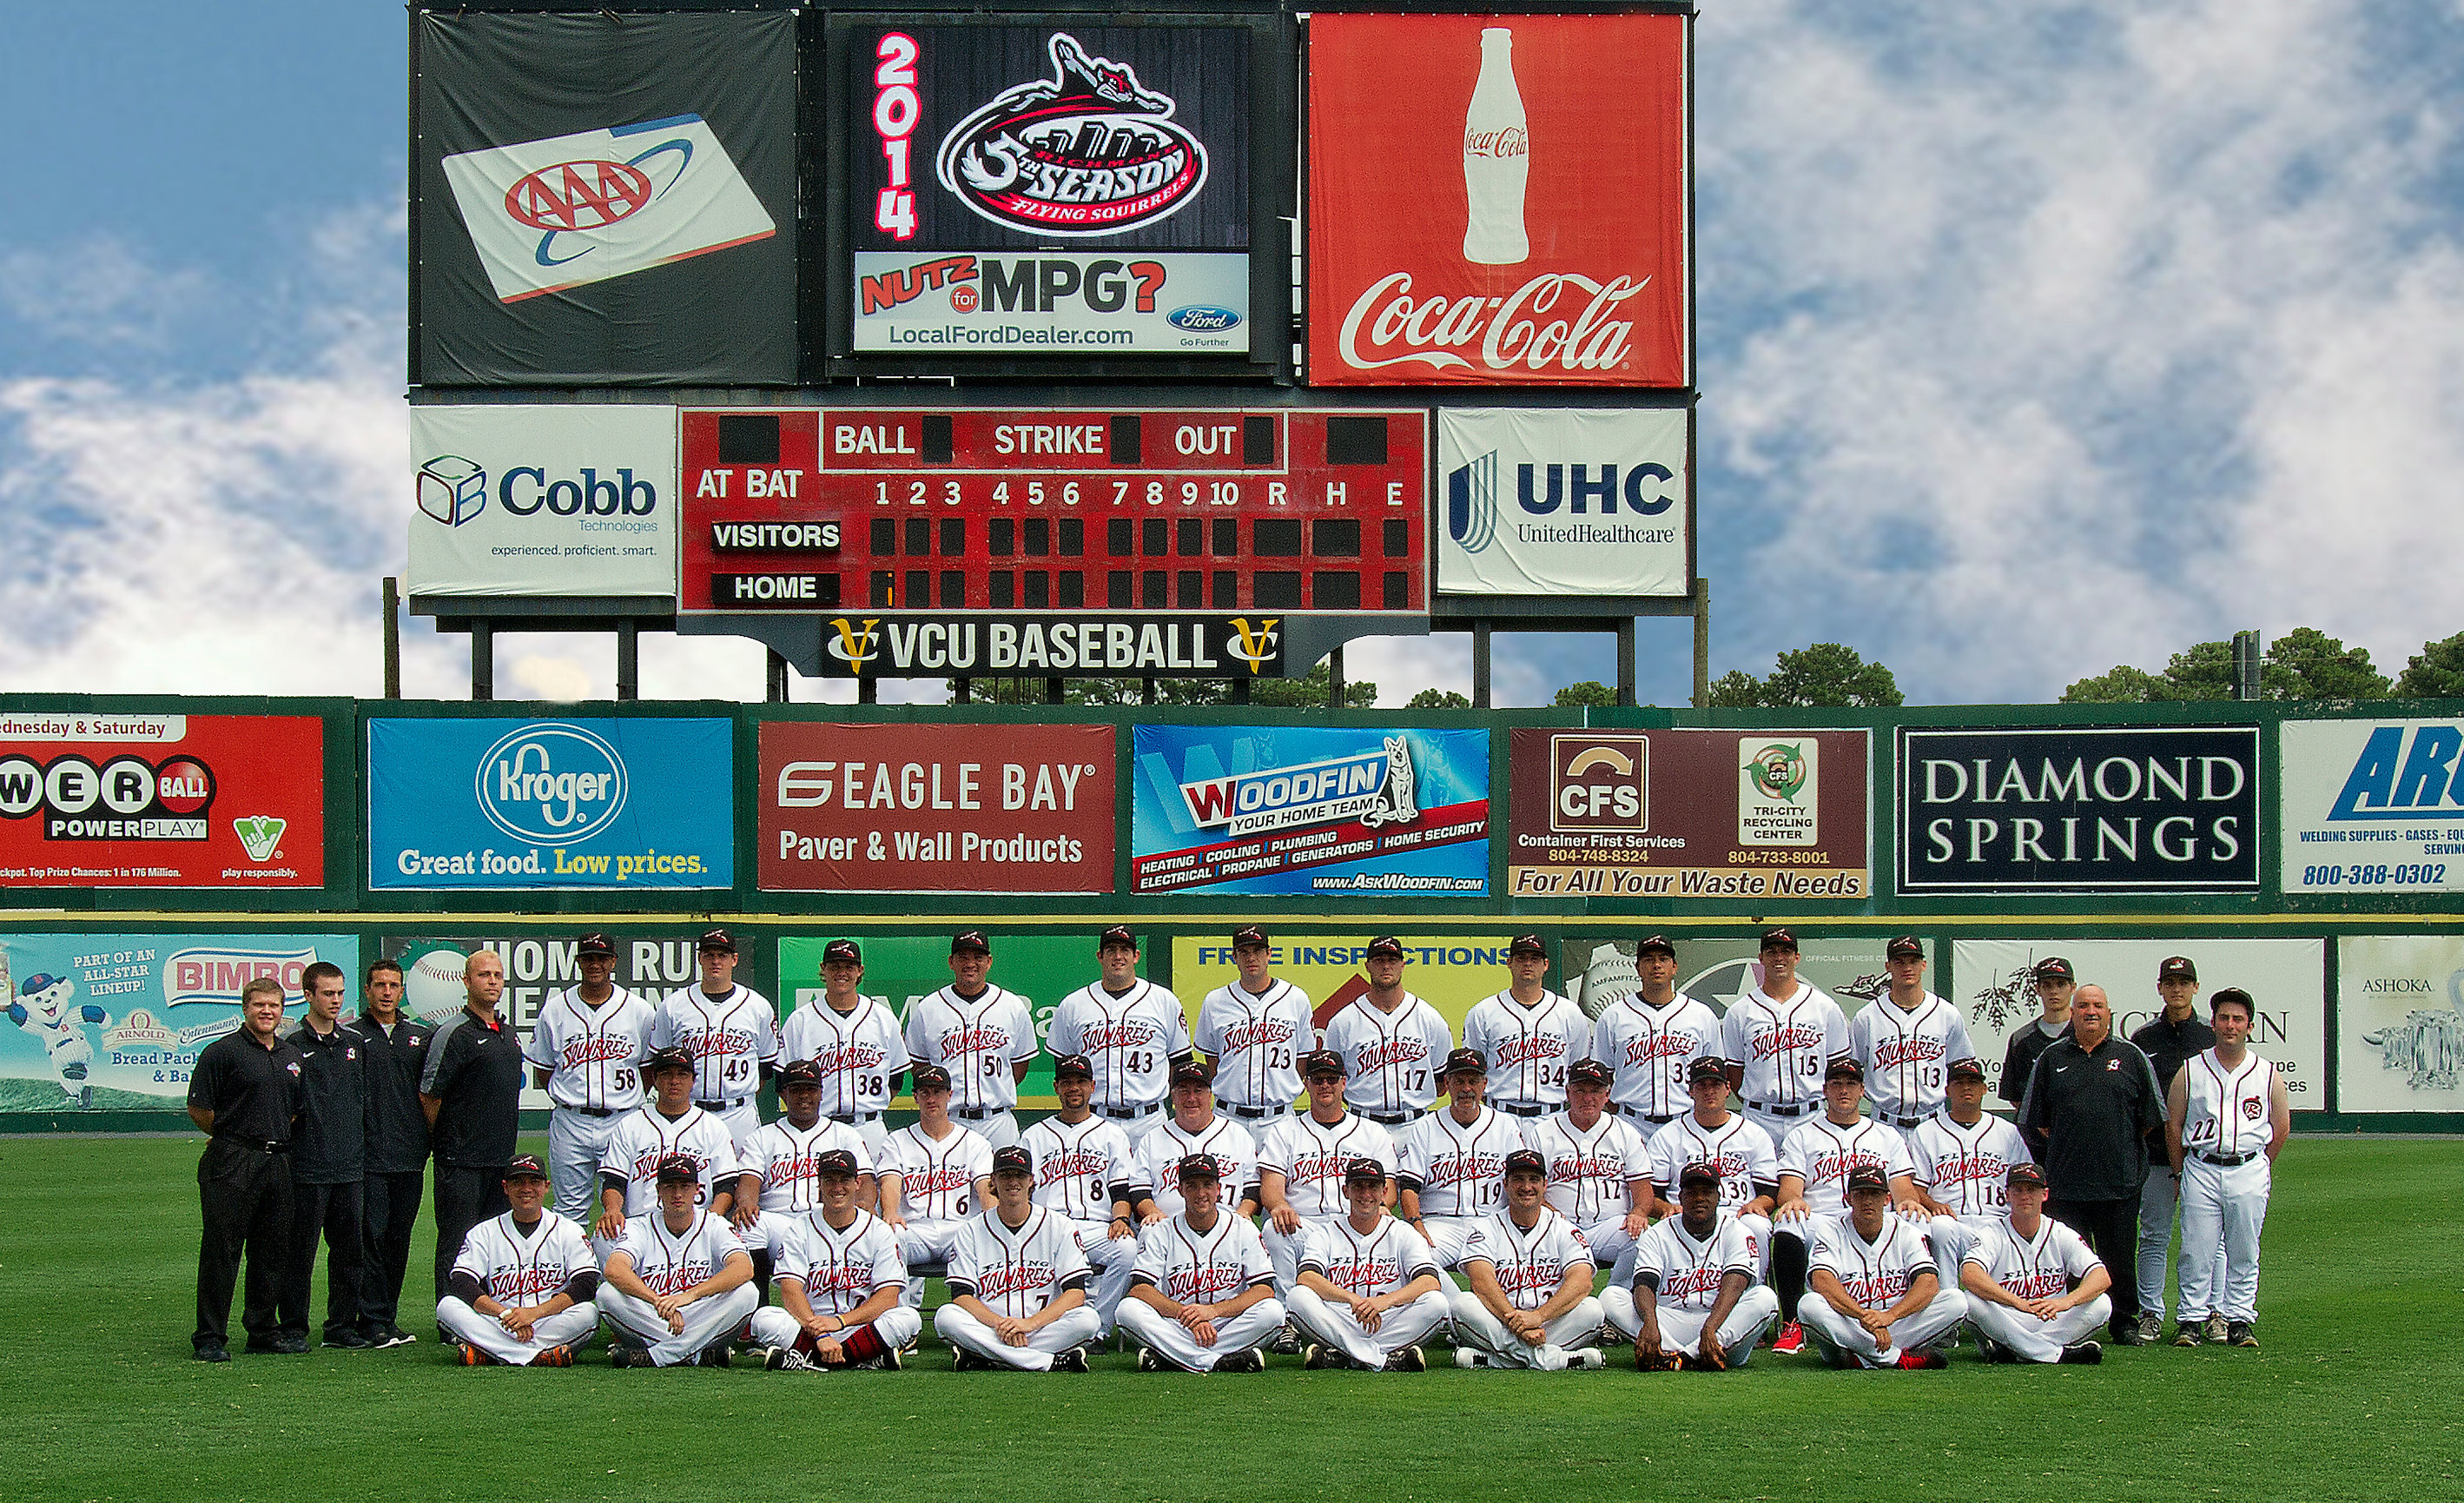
{"x":2373,"y":806}
{"x":1559,"y":502}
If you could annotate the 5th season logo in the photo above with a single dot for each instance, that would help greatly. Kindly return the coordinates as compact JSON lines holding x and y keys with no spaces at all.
{"x":1089,"y":151}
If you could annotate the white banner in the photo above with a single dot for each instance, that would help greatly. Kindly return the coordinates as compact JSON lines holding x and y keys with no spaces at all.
{"x":2400,"y":1022}
{"x":1050,"y":303}
{"x":2373,"y":805}
{"x":1555,"y":503}
{"x":543,"y":501}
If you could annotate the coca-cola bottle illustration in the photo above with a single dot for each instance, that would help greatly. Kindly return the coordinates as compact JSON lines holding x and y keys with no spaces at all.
{"x":1497,"y":158}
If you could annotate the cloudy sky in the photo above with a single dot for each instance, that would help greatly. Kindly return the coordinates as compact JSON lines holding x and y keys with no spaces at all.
{"x":2035,"y":338}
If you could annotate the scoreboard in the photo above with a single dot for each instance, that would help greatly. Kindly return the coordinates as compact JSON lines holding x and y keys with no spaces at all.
{"x":1168,"y":542}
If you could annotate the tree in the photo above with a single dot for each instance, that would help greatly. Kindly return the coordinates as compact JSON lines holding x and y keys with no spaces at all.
{"x":1825,"y":676}
{"x":2123,"y":685}
{"x":1590,"y":694}
{"x":1437,"y":700}
{"x":2434,"y":673}
{"x":1736,"y":690}
{"x":2315,"y":665}
{"x":2305,"y":663}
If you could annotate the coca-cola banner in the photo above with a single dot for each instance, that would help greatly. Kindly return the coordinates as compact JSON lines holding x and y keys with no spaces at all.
{"x":1553,"y":501}
{"x":1498,"y":201}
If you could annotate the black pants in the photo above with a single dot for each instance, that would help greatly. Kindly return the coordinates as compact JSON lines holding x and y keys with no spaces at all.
{"x":2111,"y":1230}
{"x":331,"y":1211}
{"x":1790,"y":1263}
{"x":388,"y":1210}
{"x":466,"y":1195}
{"x":245,"y":1196}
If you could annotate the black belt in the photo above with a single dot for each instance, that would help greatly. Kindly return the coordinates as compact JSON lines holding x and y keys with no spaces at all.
{"x":1649,"y":1116}
{"x":2226,"y":1160}
{"x":1252,"y":1112}
{"x":720,"y":1106}
{"x":1133,"y":1111}
{"x":1520,"y":1110}
{"x":1777,"y":1110}
{"x":976,"y":1114}
{"x":255,"y":1145}
{"x":1901,"y":1122}
{"x":853,"y":1117}
{"x":1396,"y":1120}
{"x":587,"y":1111}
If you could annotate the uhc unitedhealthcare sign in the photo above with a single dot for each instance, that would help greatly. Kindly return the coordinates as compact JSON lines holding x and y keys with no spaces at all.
{"x":1555,"y":503}
{"x":543,"y":501}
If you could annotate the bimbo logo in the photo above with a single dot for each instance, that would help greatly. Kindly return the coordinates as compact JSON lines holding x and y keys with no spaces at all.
{"x":1089,"y":151}
{"x":217,"y":975}
{"x":551,"y":785}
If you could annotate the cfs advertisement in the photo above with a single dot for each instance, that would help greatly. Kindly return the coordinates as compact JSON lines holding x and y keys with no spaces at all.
{"x":1542,"y":502}
{"x":1762,"y":814}
{"x":512,"y":806}
{"x":1498,"y":201}
{"x":543,"y":501}
{"x":2372,"y":807}
{"x":580,"y":175}
{"x":1327,"y":812}
{"x":2400,"y":1017}
{"x":2070,"y":810}
{"x":133,"y":798}
{"x":1039,"y":191}
{"x":936,"y":808}
{"x":115,"y":1022}
{"x":1450,"y":972}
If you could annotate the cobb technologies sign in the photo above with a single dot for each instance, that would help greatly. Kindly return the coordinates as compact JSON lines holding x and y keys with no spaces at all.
{"x":2373,"y":806}
{"x":1554,"y":502}
{"x":543,"y":500}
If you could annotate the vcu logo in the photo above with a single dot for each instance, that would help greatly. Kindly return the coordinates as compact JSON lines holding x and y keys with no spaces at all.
{"x":1599,"y":783}
{"x":854,"y":645}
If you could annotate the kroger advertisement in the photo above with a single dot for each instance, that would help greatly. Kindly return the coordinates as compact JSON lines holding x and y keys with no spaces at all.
{"x":2372,"y":807}
{"x":1328,"y":812}
{"x":543,"y":501}
{"x":510,"y":805}
{"x":115,"y":1022}
{"x":1549,"y":502}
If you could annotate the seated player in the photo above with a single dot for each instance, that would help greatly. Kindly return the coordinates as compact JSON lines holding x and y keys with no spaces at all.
{"x":934,"y":1177}
{"x":2033,"y":1288}
{"x":1530,"y":1295}
{"x":1876,"y":1299}
{"x":679,"y":1281}
{"x":1018,"y":1282}
{"x":1600,"y":1167}
{"x":839,"y":1279}
{"x":1202,"y":1295}
{"x":1815,"y":1160}
{"x":1084,"y":1175}
{"x":1693,"y":1301}
{"x":1962,"y":1154}
{"x":1368,"y":1288}
{"x":1450,"y":1164}
{"x":777,"y":1183}
{"x":520,"y":1292}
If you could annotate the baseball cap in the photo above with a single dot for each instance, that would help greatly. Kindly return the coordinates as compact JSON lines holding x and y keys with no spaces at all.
{"x":2177,"y":968}
{"x":1697,"y":1173}
{"x":1364,"y":1171}
{"x":1707,"y":1066}
{"x":1588,"y":1072}
{"x":1465,"y":1062}
{"x":2226,"y":994}
{"x":526,"y":1166}
{"x":1654,"y":941}
{"x":1778,"y":940}
{"x":2025,"y":1176}
{"x":1967,"y":1070}
{"x":1248,"y":935}
{"x":1196,"y":1166}
{"x":1077,"y":1064}
{"x":842,"y":950}
{"x":1524,"y":1160}
{"x":1193,"y":1073}
{"x":716,"y":938}
{"x":800,"y":1073}
{"x":594,"y":943}
{"x":668,"y":1058}
{"x":1843,"y":1070}
{"x":1527,"y":945}
{"x":969,"y":940}
{"x":1385,"y":947}
{"x":1321,"y":1062}
{"x":1868,"y":1177}
{"x":1013,"y":1160}
{"x":2053,"y":968}
{"x":930,"y":1077}
{"x":834,"y":1160}
{"x":677,"y":1169}
{"x":1906,"y":947}
{"x":1118,"y":934}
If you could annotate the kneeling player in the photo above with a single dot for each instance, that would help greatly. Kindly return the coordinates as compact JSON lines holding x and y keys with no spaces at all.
{"x":1368,"y":1288}
{"x":839,"y":1279}
{"x":1877,"y":1300}
{"x":1530,"y":1295}
{"x":1018,"y":1282}
{"x":2033,"y":1288}
{"x":1202,"y":1294}
{"x":1694,"y":1301}
{"x":520,"y":1292}
{"x":679,"y":1281}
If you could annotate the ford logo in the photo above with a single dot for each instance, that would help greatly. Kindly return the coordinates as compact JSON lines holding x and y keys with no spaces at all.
{"x":1201,"y":318}
{"x":551,"y":785}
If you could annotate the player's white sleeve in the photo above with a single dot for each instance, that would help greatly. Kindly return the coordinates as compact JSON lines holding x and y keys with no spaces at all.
{"x":1955,"y":1041}
{"x":1061,"y":1035}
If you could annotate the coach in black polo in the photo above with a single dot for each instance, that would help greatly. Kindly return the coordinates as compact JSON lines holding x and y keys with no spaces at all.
{"x":244,"y":1093}
{"x":471,"y":1091}
{"x":2090,"y":1105}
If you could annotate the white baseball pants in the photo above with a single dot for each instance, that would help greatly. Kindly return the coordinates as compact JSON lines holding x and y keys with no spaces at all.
{"x":1149,"y":1326}
{"x":707,"y":1322}
{"x":1329,"y":1324}
{"x":998,"y":1128}
{"x":1682,"y":1330}
{"x":1285,"y":1251}
{"x":1111,"y":1260}
{"x":1609,"y":1242}
{"x":1074,"y":1327}
{"x":1777,"y":1126}
{"x":899,"y":1325}
{"x":1447,"y":1236}
{"x":925,"y":1242}
{"x":1134,"y":1128}
{"x":1476,"y":1328}
{"x":2039,"y":1340}
{"x":1847,"y":1344}
{"x":572,"y":1326}
{"x":875,"y":1132}
{"x":2223,"y":1212}
{"x":1952,"y":1238}
{"x":576,"y":1140}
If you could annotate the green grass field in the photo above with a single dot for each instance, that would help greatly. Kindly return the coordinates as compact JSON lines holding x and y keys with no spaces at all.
{"x":2357,"y":1394}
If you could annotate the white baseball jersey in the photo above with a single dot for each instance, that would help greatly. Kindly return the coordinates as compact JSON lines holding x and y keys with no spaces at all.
{"x":520,"y":1271}
{"x":2046,"y":1266}
{"x":2226,"y":1112}
{"x":937,"y":1175}
{"x":860,"y":1051}
{"x":671,"y":1262}
{"x":1255,"y":1039}
{"x":644,"y":1138}
{"x":1078,"y":1169}
{"x":1588,"y":1170}
{"x":730,"y":1036}
{"x":786,"y":1160}
{"x":1963,"y":1167}
{"x":1651,"y":1048}
{"x":1821,"y":1152}
{"x":1875,"y":1273}
{"x":1391,"y":1060}
{"x":1528,"y":1048}
{"x":1190,"y":1267}
{"x":1905,"y":1051}
{"x":1689,"y":1272}
{"x":1312,"y":1156}
{"x":840,"y":1268}
{"x":1785,"y":1046}
{"x":1528,"y":1264}
{"x":593,"y":1055}
{"x":1458,"y":1170}
{"x":978,"y":1042}
{"x":1157,"y":1161}
{"x":1130,"y":1039}
{"x":1741,"y":1151}
{"x":1366,"y":1263}
{"x":1017,"y":1270}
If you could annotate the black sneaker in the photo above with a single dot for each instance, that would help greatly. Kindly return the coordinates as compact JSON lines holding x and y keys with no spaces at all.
{"x":2185,"y":1333}
{"x":263,"y":1345}
{"x":1286,"y":1341}
{"x":2083,"y":1354}
{"x":715,"y":1354}
{"x":2126,"y":1333}
{"x":2237,"y":1333}
{"x":1313,"y":1358}
{"x":1409,"y":1359}
{"x":1246,"y":1360}
{"x":889,"y":1362}
{"x":962,"y":1359}
{"x":395,"y":1335}
{"x":1073,"y":1361}
{"x":1991,"y":1350}
{"x":1148,"y":1362}
{"x":347,"y":1342}
{"x":290,"y":1345}
{"x":619,"y":1355}
{"x":214,"y":1352}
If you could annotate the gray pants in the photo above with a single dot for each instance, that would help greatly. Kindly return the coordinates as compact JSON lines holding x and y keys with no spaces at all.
{"x":2157,"y":1200}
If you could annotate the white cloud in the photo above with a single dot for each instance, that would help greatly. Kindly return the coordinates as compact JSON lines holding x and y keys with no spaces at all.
{"x":97,"y":292}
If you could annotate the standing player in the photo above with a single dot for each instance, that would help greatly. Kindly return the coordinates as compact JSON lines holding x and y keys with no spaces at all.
{"x":2171,"y":1039}
{"x":470,"y":1089}
{"x":934,"y":1177}
{"x":1814,"y":1162}
{"x":1963,"y":1157}
{"x":731,"y":1031}
{"x":1692,"y":1299}
{"x":1878,"y":1301}
{"x":666,"y":1130}
{"x":779,"y":1171}
{"x":856,"y":1043}
{"x":397,"y":1148}
{"x":585,"y":1050}
{"x":1129,"y":1029}
{"x":2054,"y":987}
{"x":1452,"y":1170}
{"x":1391,"y":1043}
{"x":1251,"y":1032}
{"x":521,"y":1292}
{"x":982,"y":1036}
{"x":329,"y":1157}
{"x":1600,"y":1167}
{"x":1195,"y":1128}
{"x":2230,"y":1116}
{"x":1302,"y":1160}
{"x":2091,"y":1103}
{"x":1528,"y":1035}
{"x":1744,"y":1156}
{"x":1905,"y":1038}
{"x":1084,"y":1174}
{"x":1369,"y":1291}
{"x":244,"y":1094}
{"x":839,"y":1280}
{"x":1017,"y":1283}
{"x":1531,"y":1297}
{"x":2033,"y":1288}
{"x":1202,"y":1295}
{"x":1651,"y":1038}
{"x":678,"y":1282}
{"x":1779,"y":1038}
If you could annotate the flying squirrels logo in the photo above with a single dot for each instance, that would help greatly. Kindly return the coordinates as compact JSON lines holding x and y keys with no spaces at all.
{"x":1089,"y":151}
